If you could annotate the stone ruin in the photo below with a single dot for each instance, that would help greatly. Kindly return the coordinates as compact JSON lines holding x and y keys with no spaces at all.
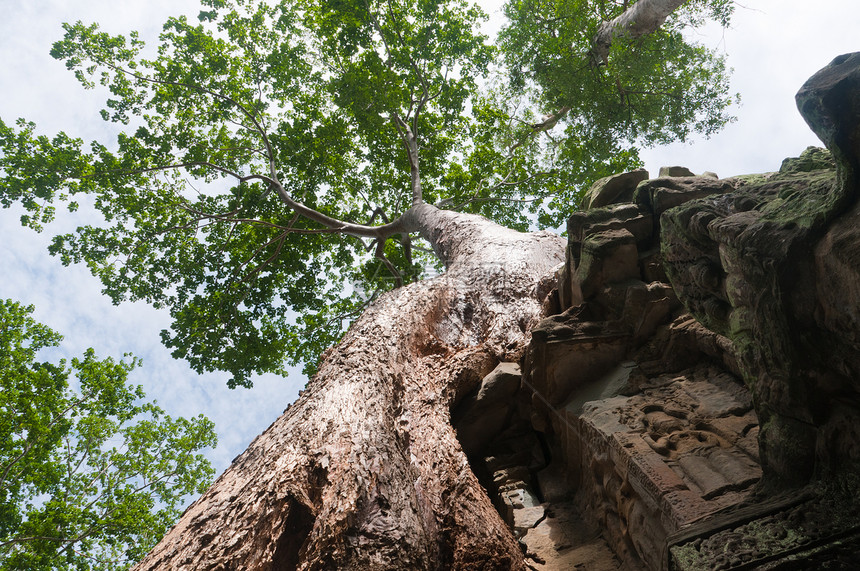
{"x":693,"y":400}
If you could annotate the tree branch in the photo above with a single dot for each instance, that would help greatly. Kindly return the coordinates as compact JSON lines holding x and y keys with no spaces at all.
{"x":30,"y":445}
{"x":380,"y":255}
{"x":410,"y":141}
{"x":309,"y":213}
{"x":640,"y":19}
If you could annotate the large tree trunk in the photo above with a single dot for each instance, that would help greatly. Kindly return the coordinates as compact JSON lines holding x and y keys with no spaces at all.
{"x":364,"y":470}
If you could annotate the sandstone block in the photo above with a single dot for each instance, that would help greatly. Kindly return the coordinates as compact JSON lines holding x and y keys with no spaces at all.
{"x":526,"y":518}
{"x":501,"y":384}
{"x":674,"y":172}
{"x":607,"y":257}
{"x":830,"y":103}
{"x":568,"y":364}
{"x":630,"y":217}
{"x":613,"y":189}
{"x":661,"y":194}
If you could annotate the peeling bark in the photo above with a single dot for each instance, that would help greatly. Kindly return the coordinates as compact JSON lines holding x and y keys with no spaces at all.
{"x":364,"y":470}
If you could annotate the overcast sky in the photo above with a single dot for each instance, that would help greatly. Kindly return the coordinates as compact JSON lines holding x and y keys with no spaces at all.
{"x":773,"y":46}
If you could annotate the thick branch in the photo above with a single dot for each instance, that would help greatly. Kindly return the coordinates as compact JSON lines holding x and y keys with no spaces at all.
{"x":410,"y":141}
{"x":546,"y":124}
{"x":334,"y":224}
{"x":641,"y":19}
{"x":348,"y":228}
{"x":380,"y":255}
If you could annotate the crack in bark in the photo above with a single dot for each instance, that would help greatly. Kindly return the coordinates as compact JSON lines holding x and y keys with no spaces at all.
{"x":398,"y":491}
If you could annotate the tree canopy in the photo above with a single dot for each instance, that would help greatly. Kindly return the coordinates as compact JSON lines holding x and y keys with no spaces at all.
{"x":651,"y":88}
{"x":91,"y":476}
{"x":268,"y":153}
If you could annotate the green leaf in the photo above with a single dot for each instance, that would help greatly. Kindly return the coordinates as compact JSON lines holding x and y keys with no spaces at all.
{"x":89,"y":478}
{"x":255,"y":134}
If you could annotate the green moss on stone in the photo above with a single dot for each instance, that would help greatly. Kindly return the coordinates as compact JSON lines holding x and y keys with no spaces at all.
{"x":688,"y":558}
{"x":811,"y":159}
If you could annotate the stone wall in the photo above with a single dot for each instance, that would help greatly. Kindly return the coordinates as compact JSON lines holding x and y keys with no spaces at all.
{"x":642,"y":405}
{"x":694,"y":402}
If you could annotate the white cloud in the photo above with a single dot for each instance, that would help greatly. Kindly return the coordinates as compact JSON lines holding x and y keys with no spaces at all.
{"x":774,"y":46}
{"x":37,"y":87}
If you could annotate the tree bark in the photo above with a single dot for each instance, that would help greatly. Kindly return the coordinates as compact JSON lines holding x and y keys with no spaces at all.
{"x":642,"y":18}
{"x":364,"y":470}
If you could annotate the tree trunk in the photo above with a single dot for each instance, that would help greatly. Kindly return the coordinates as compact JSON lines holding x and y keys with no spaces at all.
{"x":364,"y":470}
{"x":642,"y":18}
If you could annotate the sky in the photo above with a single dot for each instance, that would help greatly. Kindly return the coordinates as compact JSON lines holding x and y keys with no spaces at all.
{"x":773,"y":46}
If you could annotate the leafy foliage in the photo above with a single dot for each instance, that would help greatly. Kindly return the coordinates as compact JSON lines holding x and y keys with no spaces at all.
{"x":268,"y":152}
{"x":91,"y":477}
{"x":652,"y":90}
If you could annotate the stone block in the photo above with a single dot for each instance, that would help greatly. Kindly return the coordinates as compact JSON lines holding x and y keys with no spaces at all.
{"x":651,"y":266}
{"x":502,"y":383}
{"x":660,"y":194}
{"x":563,"y":541}
{"x":658,"y":460}
{"x":675,"y":172}
{"x":568,"y":364}
{"x":607,"y":257}
{"x":702,"y":473}
{"x":526,"y":518}
{"x":609,"y":385}
{"x":736,"y":468}
{"x":569,"y":290}
{"x":613,"y":189}
{"x":634,"y":219}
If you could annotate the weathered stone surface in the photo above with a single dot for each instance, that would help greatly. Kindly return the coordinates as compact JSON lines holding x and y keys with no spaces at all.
{"x":640,"y":405}
{"x":729,"y":259}
{"x":652,"y":440}
{"x":812,"y":159}
{"x":590,"y":233}
{"x":829,"y":101}
{"x":501,"y":384}
{"x":682,"y":344}
{"x":660,"y":194}
{"x":520,"y":497}
{"x":483,"y":416}
{"x":613,"y":189}
{"x":568,"y":354}
{"x":813,"y":528}
{"x":769,"y":266}
{"x":615,"y":382}
{"x":526,"y":518}
{"x":651,"y":266}
{"x":578,"y":347}
{"x":649,"y":464}
{"x":607,"y":257}
{"x":632,"y":218}
{"x":675,"y":172}
{"x":562,"y":541}
{"x":569,"y":290}
{"x":646,"y":307}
